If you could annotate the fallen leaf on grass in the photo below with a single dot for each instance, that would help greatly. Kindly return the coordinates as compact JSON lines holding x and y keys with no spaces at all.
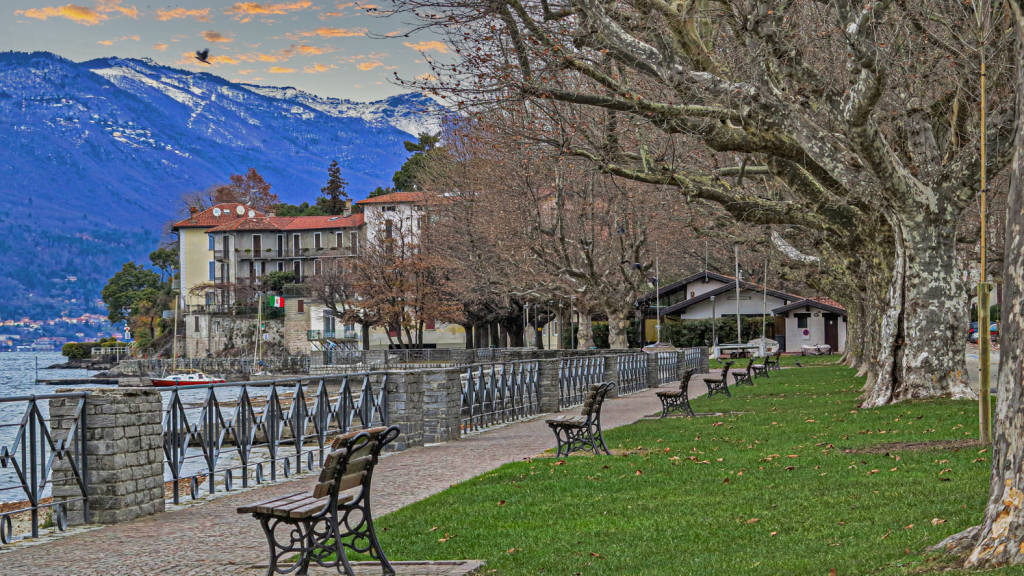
{"x":937,"y":521}
{"x":595,"y":554}
{"x":718,"y":423}
{"x":639,"y":472}
{"x":773,"y":533}
{"x":908,"y":526}
{"x":752,"y":521}
{"x":445,"y":539}
{"x":831,"y":572}
{"x":501,"y":502}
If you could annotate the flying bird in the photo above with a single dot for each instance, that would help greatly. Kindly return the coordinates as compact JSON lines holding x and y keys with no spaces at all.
{"x":203,"y":55}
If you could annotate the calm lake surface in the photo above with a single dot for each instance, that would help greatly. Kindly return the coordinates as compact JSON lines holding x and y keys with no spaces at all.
{"x":17,"y":378}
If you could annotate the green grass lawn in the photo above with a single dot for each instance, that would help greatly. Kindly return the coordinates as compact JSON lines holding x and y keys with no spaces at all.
{"x":788,"y":361}
{"x":772,"y":490}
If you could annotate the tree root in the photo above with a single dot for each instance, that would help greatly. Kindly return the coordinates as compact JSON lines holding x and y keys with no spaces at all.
{"x":960,"y":544}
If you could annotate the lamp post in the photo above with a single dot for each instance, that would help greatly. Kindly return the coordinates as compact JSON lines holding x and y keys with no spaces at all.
{"x":714,"y":324}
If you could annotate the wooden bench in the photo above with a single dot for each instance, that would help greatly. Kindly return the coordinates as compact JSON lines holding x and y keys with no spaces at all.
{"x":744,"y":376}
{"x":677,"y":400}
{"x":761,"y":368}
{"x":720,"y":384}
{"x":323,"y":524}
{"x":574,"y":433}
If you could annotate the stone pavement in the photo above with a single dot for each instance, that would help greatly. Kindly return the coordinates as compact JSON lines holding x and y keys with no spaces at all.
{"x":210,"y":538}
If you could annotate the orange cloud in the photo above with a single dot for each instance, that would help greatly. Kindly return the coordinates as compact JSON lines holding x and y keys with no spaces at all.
{"x":244,"y":11}
{"x":246,"y":72}
{"x":115,"y":6}
{"x":317,"y":68}
{"x":73,"y":12}
{"x":215,"y":37}
{"x":202,"y":15}
{"x":222,"y":60}
{"x":280,"y":70}
{"x":325,"y":32}
{"x":428,"y":45}
{"x":311,"y":50}
{"x":427,"y":77}
{"x":161,"y":47}
{"x":106,"y":42}
{"x":366,"y":66}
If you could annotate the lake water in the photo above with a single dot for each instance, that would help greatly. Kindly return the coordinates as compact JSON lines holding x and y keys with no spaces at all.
{"x":17,"y":378}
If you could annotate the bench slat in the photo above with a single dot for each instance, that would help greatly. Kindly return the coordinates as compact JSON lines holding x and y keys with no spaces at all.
{"x":252,"y":507}
{"x":351,"y":480}
{"x":281,"y":504}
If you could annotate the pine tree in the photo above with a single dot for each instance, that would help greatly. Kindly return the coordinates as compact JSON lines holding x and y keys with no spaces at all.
{"x":333,"y":195}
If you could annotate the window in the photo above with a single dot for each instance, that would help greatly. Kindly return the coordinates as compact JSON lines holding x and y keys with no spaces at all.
{"x":429,"y":325}
{"x":388,"y":209}
{"x":297,"y":269}
{"x":263,"y":268}
{"x":257,"y":245}
{"x":296,"y":244}
{"x":340,"y":236}
{"x":280,"y":266}
{"x":195,"y":324}
{"x":316,"y":241}
{"x":388,"y":228}
{"x":317,"y":270}
{"x":213,"y":271}
{"x":210,"y":236}
{"x":353,"y":242}
{"x":801,"y":320}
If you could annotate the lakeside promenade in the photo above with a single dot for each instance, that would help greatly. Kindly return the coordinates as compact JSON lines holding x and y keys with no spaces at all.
{"x":209,"y":537}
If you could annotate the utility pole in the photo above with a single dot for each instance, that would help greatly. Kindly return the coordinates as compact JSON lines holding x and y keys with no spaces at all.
{"x":739,"y":326}
{"x":984,"y":334}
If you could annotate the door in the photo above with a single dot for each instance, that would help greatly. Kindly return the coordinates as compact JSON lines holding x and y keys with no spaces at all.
{"x":295,"y":245}
{"x":780,"y":332}
{"x":257,"y":245}
{"x":280,"y":245}
{"x":832,"y":331}
{"x":297,"y":269}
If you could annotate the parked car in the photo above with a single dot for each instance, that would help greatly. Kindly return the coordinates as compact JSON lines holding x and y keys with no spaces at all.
{"x":972,"y":333}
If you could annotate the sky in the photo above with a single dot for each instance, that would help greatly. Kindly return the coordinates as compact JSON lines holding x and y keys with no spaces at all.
{"x":327,"y":47}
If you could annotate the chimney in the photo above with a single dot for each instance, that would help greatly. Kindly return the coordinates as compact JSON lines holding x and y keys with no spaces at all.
{"x":193,"y":210}
{"x":271,"y":214}
{"x":348,"y":208}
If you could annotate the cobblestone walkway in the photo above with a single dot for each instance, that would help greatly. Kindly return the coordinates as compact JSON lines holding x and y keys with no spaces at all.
{"x":210,"y":538}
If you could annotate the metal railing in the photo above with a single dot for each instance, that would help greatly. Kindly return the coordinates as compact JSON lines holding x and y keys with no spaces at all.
{"x":498,"y":393}
{"x":255,"y":429}
{"x":696,"y":358}
{"x":631,"y":373}
{"x":39,"y":455}
{"x":668,"y":363}
{"x":575,"y":375}
{"x":117,"y":352}
{"x":218,"y":366}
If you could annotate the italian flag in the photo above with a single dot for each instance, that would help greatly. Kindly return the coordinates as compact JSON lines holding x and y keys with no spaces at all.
{"x":278,"y":302}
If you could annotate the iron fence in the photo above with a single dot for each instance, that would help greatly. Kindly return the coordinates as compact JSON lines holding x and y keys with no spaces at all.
{"x":696,"y":359}
{"x":575,"y":375}
{"x":498,"y":393}
{"x":40,"y":454}
{"x":631,"y":373}
{"x":253,"y":429}
{"x":219,"y":366}
{"x":668,"y":363}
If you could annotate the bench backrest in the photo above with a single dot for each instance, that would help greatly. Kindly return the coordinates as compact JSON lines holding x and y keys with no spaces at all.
{"x":726,"y":367}
{"x":684,"y":382}
{"x":351,"y":460}
{"x":595,"y":398}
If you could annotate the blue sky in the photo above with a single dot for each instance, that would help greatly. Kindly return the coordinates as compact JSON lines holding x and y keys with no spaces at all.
{"x":327,"y":47}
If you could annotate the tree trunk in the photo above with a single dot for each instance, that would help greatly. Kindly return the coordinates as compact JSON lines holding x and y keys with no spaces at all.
{"x":921,"y":345}
{"x":618,"y":327}
{"x":366,"y":335}
{"x":585,"y":335}
{"x":1002,"y":530}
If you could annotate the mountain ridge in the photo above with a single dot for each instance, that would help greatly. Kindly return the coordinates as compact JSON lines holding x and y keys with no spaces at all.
{"x":100,"y":152}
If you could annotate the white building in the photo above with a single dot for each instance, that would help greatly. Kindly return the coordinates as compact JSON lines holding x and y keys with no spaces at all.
{"x":797,"y":321}
{"x":391,"y":214}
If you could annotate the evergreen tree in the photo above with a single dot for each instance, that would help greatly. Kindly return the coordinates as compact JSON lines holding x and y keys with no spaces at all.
{"x":408,"y":176}
{"x":333,"y":195}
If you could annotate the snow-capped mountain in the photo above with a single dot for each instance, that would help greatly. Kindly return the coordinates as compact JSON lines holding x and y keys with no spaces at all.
{"x":98,"y":154}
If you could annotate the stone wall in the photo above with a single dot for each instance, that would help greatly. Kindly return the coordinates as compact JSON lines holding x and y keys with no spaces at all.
{"x":124,"y":449}
{"x":212,"y":334}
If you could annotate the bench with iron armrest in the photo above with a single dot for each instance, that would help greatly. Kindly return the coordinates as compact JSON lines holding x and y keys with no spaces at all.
{"x":323,"y":524}
{"x":772,"y":362}
{"x":745,"y":375}
{"x":761,"y":368}
{"x":719,"y":384}
{"x":581,"y":432}
{"x":677,"y":400}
